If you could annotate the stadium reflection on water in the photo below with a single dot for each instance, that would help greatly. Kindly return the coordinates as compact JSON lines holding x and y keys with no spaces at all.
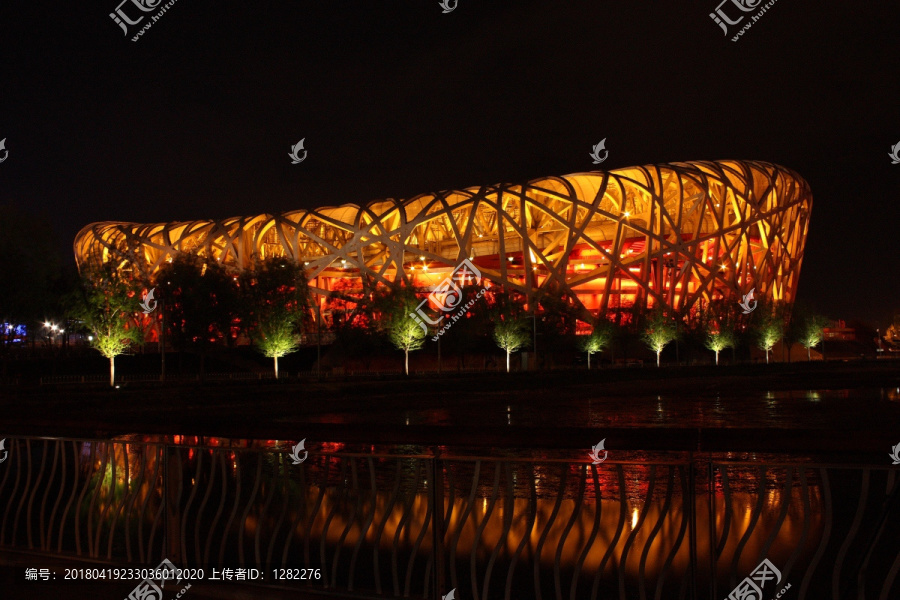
{"x":544,"y":506}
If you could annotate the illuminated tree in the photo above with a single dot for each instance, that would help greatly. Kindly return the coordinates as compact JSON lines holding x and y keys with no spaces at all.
{"x":718,"y":338}
{"x":105,"y":303}
{"x":658,"y":332}
{"x":507,"y":309}
{"x":395,"y":304}
{"x":276,"y":300}
{"x":812,"y":332}
{"x":769,"y":328}
{"x":511,"y":335}
{"x":596,"y":341}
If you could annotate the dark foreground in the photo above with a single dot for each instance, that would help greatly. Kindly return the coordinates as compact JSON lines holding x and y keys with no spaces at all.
{"x":844,"y":407}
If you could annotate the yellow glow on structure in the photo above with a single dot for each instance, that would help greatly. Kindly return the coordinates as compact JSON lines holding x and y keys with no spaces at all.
{"x":455,"y":224}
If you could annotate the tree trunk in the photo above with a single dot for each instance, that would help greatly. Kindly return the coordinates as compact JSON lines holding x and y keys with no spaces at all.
{"x":276,"y":367}
{"x":589,"y":361}
{"x":406,"y":367}
{"x":112,"y":371}
{"x":717,"y":358}
{"x":767,"y":356}
{"x":657,"y":358}
{"x":507,"y":361}
{"x":808,"y":354}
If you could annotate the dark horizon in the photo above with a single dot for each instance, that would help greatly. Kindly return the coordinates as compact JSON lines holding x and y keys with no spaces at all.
{"x":196,"y":119}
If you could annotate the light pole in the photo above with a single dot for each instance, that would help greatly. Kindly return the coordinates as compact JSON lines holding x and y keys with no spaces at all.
{"x":318,"y":340}
{"x":162,"y":338}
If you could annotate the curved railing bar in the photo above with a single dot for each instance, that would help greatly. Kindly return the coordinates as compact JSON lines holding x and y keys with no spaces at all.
{"x":757,"y":511}
{"x":576,"y":512}
{"x":201,"y":510}
{"x":479,"y":531}
{"x":629,"y":541}
{"x":848,"y":541}
{"x":223,"y":492}
{"x":823,"y":543}
{"x":243,"y":524}
{"x":589,"y":543}
{"x":389,"y":508}
{"x":620,"y":527}
{"x":373,"y":496}
{"x":47,"y":487}
{"x":642,"y":568}
{"x":507,"y":525}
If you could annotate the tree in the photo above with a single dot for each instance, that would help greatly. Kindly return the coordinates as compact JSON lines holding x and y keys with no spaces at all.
{"x":596,"y":341}
{"x":658,"y":331}
{"x":202,"y":303}
{"x":718,"y":338}
{"x":812,"y":332}
{"x":510,"y":320}
{"x":276,"y":297}
{"x":396,"y":305}
{"x":511,"y":335}
{"x":769,"y":330}
{"x":105,"y":303}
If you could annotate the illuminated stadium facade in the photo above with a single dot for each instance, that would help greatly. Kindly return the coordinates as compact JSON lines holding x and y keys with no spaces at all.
{"x":676,"y":234}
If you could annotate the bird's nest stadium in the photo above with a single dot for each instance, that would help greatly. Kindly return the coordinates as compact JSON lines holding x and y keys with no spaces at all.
{"x":674,"y":234}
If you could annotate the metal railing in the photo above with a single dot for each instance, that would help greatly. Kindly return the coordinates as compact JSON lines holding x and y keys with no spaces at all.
{"x":419,"y":525}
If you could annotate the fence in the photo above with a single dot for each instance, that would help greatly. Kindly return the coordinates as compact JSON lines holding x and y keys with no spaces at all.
{"x":420,"y":525}
{"x":247,"y":376}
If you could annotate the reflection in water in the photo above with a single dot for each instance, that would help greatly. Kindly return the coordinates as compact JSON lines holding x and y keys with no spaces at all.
{"x":547,"y":515}
{"x":368,"y":518}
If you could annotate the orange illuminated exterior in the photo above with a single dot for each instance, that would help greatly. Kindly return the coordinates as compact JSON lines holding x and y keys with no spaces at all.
{"x":671,"y":234}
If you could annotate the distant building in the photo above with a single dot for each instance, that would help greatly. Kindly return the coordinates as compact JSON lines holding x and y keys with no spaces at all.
{"x":838,"y":331}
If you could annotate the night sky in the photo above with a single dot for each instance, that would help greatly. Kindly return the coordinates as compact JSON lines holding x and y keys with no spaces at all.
{"x":195,"y":120}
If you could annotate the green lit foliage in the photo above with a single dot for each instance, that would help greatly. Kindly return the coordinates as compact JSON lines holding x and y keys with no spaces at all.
{"x":812,"y":332}
{"x":599,"y":339}
{"x":394,"y":305}
{"x":768,"y":327}
{"x":510,"y":321}
{"x":276,"y":301}
{"x":658,"y":331}
{"x":719,"y":338}
{"x":106,"y":302}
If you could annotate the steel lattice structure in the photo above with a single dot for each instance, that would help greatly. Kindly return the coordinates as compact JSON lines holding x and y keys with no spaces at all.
{"x":672,"y":234}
